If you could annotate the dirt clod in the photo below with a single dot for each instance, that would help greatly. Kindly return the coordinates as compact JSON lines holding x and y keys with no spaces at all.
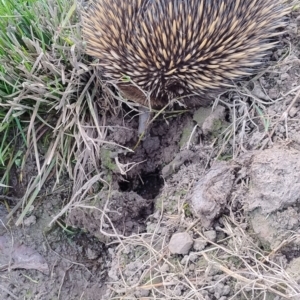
{"x":126,"y":213}
{"x":275,"y":180}
{"x":211,"y":193}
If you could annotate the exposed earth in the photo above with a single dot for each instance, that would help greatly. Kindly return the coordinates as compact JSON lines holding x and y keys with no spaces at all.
{"x":207,"y":206}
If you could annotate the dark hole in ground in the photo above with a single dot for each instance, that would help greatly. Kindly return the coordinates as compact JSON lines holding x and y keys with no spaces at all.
{"x":146,"y":185}
{"x":227,"y":115}
{"x":144,"y":214}
{"x":125,"y":186}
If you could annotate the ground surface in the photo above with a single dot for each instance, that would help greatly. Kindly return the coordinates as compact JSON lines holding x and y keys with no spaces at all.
{"x":228,"y":177}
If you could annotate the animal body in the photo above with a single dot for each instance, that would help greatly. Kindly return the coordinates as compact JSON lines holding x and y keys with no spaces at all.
{"x":160,"y":50}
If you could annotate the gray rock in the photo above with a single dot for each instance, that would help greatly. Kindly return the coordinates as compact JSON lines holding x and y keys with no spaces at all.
{"x":211,"y":235}
{"x":293,"y":111}
{"x":274,"y":179}
{"x":210,"y":194}
{"x":199,"y":244}
{"x":180,"y":243}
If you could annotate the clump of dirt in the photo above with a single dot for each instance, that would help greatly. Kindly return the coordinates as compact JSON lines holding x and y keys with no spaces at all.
{"x":273,"y":176}
{"x":159,"y":146}
{"x":275,"y":181}
{"x":126,"y":214}
{"x":211,"y":194}
{"x":266,"y":183}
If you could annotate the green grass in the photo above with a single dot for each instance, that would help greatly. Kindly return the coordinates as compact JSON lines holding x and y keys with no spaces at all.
{"x":24,"y":37}
{"x":46,"y":92}
{"x":9,"y":154}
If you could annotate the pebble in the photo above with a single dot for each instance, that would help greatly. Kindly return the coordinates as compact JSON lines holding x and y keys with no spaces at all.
{"x":199,"y":244}
{"x":293,"y":111}
{"x":211,"y":235}
{"x":180,"y":243}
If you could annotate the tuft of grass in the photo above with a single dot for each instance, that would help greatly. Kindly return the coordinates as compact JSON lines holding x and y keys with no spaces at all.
{"x":47,"y":89}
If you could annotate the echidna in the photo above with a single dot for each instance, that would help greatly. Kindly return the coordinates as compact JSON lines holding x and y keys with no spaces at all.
{"x":175,"y":48}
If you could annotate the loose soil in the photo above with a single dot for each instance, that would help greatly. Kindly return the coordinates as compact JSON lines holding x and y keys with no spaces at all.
{"x":233,"y":187}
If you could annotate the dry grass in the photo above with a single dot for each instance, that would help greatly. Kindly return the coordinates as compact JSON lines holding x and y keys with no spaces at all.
{"x":53,"y":94}
{"x":49,"y":100}
{"x":249,"y":103}
{"x":143,"y":268}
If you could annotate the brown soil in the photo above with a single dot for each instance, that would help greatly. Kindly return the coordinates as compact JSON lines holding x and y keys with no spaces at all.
{"x":252,"y":175}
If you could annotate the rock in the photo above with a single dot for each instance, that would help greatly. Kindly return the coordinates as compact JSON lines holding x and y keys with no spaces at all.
{"x":15,"y":255}
{"x":92,"y":254}
{"x":142,"y":293}
{"x":262,"y":227}
{"x":211,"y":193}
{"x":218,"y":290}
{"x":211,"y":235}
{"x":179,"y":160}
{"x":180,"y":243}
{"x":284,"y":76}
{"x":214,"y":122}
{"x":30,"y":220}
{"x":210,"y":121}
{"x":201,"y":115}
{"x":184,"y":260}
{"x":259,"y":92}
{"x":293,"y":111}
{"x":274,"y":179}
{"x":199,"y":244}
{"x":192,"y":257}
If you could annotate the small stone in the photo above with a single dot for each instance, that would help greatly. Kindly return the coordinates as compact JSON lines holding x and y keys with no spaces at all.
{"x":219,"y":290}
{"x":151,"y":227}
{"x":184,"y":260}
{"x":296,"y":137}
{"x":30,"y":220}
{"x":177,"y":291}
{"x":180,"y":243}
{"x":211,"y":235}
{"x":293,"y":111}
{"x":212,"y":271}
{"x":199,"y":244}
{"x":210,"y":194}
{"x":214,"y":122}
{"x":226,"y":290}
{"x":204,"y":293}
{"x":156,"y":215}
{"x":91,"y":254}
{"x":113,"y":275}
{"x":259,"y":92}
{"x":273,"y":93}
{"x":192,"y":267}
{"x":193,"y":256}
{"x":293,"y":269}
